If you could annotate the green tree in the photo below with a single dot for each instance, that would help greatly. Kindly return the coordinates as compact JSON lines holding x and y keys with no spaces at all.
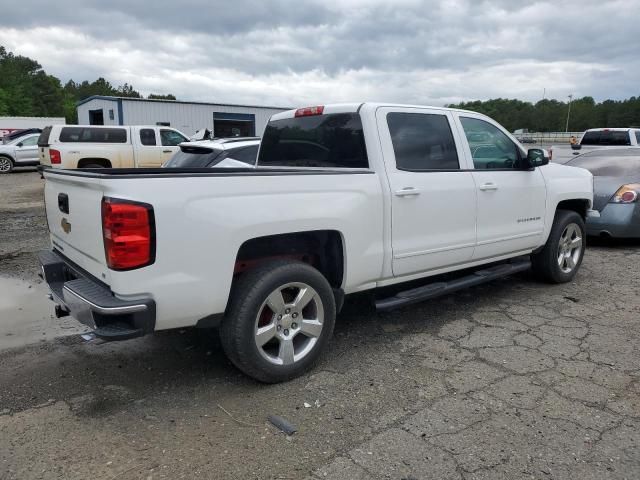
{"x":156,"y":96}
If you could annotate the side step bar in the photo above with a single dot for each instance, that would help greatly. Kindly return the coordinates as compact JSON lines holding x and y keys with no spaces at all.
{"x":436,"y":289}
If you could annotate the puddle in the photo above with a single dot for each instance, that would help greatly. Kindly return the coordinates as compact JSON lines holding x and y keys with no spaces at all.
{"x":26,"y":315}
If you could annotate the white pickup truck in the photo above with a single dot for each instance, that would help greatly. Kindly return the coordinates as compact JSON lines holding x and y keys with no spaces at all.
{"x":346,"y":198}
{"x":93,"y":146}
{"x":596,"y":139}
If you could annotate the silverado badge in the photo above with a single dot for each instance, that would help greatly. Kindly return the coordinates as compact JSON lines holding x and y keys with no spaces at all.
{"x":66,"y":226}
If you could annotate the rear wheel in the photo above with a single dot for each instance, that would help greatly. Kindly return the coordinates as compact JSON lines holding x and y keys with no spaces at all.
{"x":561,"y":257}
{"x":6,"y":165}
{"x":280,"y":318}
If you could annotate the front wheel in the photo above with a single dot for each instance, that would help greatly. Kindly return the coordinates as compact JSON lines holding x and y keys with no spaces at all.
{"x":279,"y":320}
{"x":561,"y":257}
{"x":6,"y":165}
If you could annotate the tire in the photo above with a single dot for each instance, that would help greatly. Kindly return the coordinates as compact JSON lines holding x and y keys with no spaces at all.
{"x":6,"y":165}
{"x":561,"y":257}
{"x":272,"y":330}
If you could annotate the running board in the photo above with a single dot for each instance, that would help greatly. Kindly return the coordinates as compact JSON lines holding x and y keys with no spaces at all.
{"x":436,"y":289}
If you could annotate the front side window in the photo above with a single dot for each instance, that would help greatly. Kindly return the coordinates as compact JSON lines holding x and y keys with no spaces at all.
{"x":30,"y":142}
{"x":171,"y":138}
{"x":490,"y":148}
{"x":147,"y":136}
{"x":331,"y":141}
{"x":422,"y":142}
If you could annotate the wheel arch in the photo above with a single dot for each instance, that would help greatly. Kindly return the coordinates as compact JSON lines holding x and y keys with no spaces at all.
{"x":323,"y":249}
{"x":105,"y":163}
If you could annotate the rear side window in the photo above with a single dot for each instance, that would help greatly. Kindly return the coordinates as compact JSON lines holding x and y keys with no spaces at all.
{"x":43,"y":139}
{"x":93,"y":135}
{"x":422,"y":142}
{"x":246,"y":155}
{"x":331,"y":141}
{"x":147,"y":136}
{"x":606,"y":137}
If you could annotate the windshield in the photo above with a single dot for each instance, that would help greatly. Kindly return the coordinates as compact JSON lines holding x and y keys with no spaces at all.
{"x":194,"y":157}
{"x":622,"y":163}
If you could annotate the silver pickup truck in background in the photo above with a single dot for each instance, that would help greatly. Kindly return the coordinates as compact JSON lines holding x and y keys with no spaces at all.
{"x":596,"y":139}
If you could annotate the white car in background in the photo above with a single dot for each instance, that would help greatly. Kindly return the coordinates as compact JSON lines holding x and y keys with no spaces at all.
{"x":92,"y":146}
{"x":19,"y":152}
{"x":236,"y":152}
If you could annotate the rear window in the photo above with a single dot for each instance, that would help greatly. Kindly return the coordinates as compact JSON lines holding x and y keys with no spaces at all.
{"x":613,"y":163}
{"x":606,"y":137}
{"x":43,"y":139}
{"x":93,"y":135}
{"x":194,"y":157}
{"x":331,"y":141}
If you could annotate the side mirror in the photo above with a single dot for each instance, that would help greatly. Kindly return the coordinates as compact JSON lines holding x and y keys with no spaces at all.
{"x":19,"y":144}
{"x":537,"y":157}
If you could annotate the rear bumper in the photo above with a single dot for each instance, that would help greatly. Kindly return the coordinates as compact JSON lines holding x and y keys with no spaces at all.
{"x":85,"y":298}
{"x":616,"y":220}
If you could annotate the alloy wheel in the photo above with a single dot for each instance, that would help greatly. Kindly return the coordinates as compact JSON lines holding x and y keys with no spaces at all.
{"x":289,"y":323}
{"x":569,"y":248}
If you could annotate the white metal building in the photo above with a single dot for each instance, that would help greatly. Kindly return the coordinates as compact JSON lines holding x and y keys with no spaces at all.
{"x":224,"y":120}
{"x":10,"y":124}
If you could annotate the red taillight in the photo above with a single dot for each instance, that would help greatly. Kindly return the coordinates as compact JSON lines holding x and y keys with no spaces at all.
{"x":309,"y":111}
{"x":54,"y":156}
{"x":128,"y":230}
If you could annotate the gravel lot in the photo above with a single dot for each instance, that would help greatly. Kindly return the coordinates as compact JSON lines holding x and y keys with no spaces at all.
{"x":514,"y":379}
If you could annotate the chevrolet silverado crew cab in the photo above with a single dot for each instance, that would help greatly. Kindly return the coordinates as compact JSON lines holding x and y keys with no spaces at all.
{"x":345,"y":198}
{"x":93,"y":146}
{"x":597,"y":139}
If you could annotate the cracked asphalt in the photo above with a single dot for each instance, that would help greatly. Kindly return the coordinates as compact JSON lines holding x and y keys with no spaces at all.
{"x":510,"y":380}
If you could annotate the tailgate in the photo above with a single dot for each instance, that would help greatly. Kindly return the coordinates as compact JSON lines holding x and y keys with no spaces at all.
{"x":73,"y":206}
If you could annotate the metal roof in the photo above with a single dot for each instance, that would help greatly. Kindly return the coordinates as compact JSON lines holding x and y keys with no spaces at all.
{"x":106,"y":97}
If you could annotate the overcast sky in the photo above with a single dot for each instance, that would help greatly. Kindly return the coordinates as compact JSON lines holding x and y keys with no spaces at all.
{"x":291,"y":53}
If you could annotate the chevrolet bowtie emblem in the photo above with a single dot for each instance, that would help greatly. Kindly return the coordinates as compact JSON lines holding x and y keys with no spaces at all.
{"x":66,"y":226}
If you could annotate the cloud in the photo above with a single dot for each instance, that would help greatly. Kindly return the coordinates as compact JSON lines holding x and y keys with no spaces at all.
{"x":292,"y":53}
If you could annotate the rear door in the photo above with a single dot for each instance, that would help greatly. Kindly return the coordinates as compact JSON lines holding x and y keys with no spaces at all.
{"x":73,"y":209}
{"x":147,"y":148}
{"x":511,"y":198}
{"x":433,"y":195}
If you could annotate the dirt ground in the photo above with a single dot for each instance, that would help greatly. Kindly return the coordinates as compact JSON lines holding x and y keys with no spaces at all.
{"x":514,"y":379}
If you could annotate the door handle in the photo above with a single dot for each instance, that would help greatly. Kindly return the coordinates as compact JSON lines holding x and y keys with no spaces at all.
{"x":167,"y":151}
{"x":488,"y":186}
{"x":407,"y":192}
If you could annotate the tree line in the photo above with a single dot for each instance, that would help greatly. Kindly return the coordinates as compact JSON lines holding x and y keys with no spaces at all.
{"x":551,"y":115}
{"x":26,"y":90}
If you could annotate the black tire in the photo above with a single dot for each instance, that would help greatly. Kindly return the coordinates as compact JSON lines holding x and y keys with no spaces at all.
{"x":546,"y":263}
{"x":6,"y":165}
{"x":248,"y":296}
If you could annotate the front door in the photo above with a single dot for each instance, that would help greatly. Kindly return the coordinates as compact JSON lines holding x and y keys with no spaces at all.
{"x":511,"y":197}
{"x":27,"y":150}
{"x":433,"y":200}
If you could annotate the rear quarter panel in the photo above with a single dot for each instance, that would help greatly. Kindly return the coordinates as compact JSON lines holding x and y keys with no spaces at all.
{"x":201,"y":223}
